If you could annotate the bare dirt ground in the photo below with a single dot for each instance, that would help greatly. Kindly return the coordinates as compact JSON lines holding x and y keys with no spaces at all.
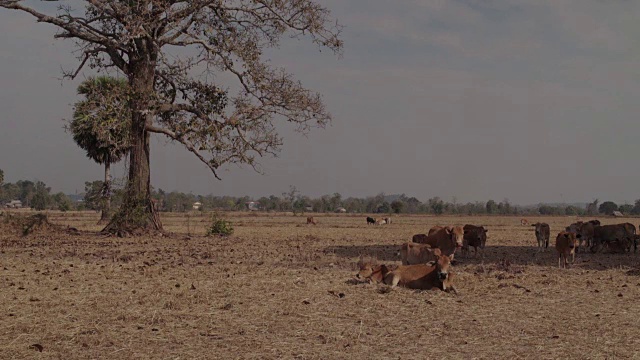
{"x":280,"y":289}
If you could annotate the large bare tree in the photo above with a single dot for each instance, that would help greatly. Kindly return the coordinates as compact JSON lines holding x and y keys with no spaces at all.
{"x":171,"y":52}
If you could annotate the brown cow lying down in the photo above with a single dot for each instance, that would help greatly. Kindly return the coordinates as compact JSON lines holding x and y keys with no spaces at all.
{"x":566,"y":243}
{"x":412,"y":253}
{"x":422,"y":276}
{"x":448,"y":239}
{"x":311,"y":220}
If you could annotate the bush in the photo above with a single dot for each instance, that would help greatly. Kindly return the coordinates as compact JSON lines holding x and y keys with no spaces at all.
{"x":220,"y":227}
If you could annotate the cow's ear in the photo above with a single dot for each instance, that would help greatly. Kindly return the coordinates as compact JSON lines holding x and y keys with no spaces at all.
{"x":437,"y":252}
{"x":485,"y":231}
{"x":448,"y":230}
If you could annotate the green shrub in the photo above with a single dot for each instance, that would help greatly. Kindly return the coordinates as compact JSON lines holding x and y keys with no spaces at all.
{"x":220,"y":227}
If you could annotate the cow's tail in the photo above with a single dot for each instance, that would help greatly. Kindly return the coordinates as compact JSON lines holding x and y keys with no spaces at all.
{"x":546,"y":244}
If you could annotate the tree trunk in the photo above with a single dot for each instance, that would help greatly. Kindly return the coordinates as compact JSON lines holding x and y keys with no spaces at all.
{"x":106,"y":205}
{"x":138,"y":214}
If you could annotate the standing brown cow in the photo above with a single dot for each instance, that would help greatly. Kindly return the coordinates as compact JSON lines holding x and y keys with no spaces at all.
{"x":543,"y":232}
{"x":566,"y":243}
{"x":584,"y":229}
{"x":475,"y":236}
{"x":447,"y":239}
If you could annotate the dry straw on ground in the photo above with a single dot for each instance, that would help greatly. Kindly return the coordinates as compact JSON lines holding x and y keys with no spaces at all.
{"x":279,"y":289}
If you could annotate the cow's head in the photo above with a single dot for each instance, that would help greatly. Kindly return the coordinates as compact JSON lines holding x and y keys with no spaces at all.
{"x":538,"y":228}
{"x":482,"y":236}
{"x":572,"y":239}
{"x":457,"y":234}
{"x":443,"y":265}
{"x":372,"y":272}
{"x":479,"y":233}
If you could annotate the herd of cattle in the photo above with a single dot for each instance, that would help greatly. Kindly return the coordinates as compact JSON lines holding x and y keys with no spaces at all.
{"x":426,"y":260}
{"x":370,"y":221}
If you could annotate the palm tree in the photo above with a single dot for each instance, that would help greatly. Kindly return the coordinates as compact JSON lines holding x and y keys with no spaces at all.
{"x":100,"y":126}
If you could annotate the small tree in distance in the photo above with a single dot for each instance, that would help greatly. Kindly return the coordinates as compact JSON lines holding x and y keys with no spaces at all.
{"x":625,"y":209}
{"x":608,"y":207}
{"x":592,"y":208}
{"x":492,"y":207}
{"x":100,"y":126}
{"x":397,"y":206}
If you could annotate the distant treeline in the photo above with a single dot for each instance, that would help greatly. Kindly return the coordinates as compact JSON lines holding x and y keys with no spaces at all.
{"x":37,"y":195}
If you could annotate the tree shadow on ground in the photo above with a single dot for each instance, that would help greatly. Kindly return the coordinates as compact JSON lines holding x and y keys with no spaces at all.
{"x":517,"y":255}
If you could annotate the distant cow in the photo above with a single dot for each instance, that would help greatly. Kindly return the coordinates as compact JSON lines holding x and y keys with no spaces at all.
{"x":371,"y":221}
{"x":594,"y":222}
{"x":435,"y":274}
{"x":381,"y":221}
{"x":566,"y":243}
{"x":412,"y":253}
{"x":584,"y":229}
{"x":475,"y":236}
{"x":447,"y":239}
{"x":543,"y":232}
{"x":606,"y":234}
{"x":524,"y":222}
{"x":311,"y":220}
{"x":387,"y":220}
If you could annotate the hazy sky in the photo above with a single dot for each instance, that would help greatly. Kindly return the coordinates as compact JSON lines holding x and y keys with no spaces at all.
{"x":532,"y":101}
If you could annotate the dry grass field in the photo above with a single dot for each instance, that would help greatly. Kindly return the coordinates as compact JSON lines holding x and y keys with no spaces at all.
{"x":280,"y":289}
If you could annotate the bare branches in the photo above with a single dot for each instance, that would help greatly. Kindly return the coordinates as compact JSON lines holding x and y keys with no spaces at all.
{"x":172,"y":135}
{"x":221,"y":36}
{"x":73,"y":75}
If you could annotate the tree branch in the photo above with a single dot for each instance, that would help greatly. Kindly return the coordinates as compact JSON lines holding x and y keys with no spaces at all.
{"x":189,"y":146}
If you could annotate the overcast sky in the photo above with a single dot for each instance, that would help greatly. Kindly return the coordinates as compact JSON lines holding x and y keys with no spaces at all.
{"x":534,"y":101}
